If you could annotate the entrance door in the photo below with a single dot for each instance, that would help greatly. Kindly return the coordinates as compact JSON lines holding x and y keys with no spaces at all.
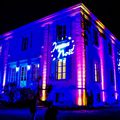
{"x":23,"y":76}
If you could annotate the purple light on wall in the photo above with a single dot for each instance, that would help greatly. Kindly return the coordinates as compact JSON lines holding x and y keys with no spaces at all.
{"x":79,"y":97}
{"x":9,"y":37}
{"x":44,"y":81}
{"x":45,"y":58}
{"x":4,"y":76}
{"x":114,"y":69}
{"x":79,"y":77}
{"x":7,"y":34}
{"x":81,"y":69}
{"x":101,"y":54}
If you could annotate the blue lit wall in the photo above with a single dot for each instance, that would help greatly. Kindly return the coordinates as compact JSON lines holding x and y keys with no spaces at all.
{"x":30,"y":56}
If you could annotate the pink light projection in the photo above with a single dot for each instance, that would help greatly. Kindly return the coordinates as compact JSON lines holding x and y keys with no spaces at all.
{"x":114,"y":68}
{"x":4,"y":76}
{"x":5,"y":63}
{"x":6,"y":56}
{"x":9,"y":37}
{"x":79,"y":102}
{"x":79,"y":73}
{"x":45,"y":50}
{"x":44,"y":76}
{"x":44,"y":85}
{"x":7,"y":34}
{"x":44,"y":81}
{"x":101,"y":54}
{"x":81,"y":69}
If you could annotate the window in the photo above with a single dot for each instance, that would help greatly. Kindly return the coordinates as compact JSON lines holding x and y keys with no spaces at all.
{"x":57,"y":97}
{"x":61,"y":69}
{"x":109,"y":48}
{"x":35,"y":72}
{"x":87,"y":24}
{"x":12,"y":75}
{"x":86,"y":37}
{"x":61,"y":32}
{"x":112,"y":76}
{"x":98,"y":97}
{"x":31,"y":37}
{"x":24,"y":43}
{"x":97,"y":72}
{"x":95,"y":34}
{"x":103,"y":35}
{"x":23,"y":76}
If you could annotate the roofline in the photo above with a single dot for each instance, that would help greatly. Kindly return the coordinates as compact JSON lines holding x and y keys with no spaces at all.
{"x":41,"y":20}
{"x":64,"y":11}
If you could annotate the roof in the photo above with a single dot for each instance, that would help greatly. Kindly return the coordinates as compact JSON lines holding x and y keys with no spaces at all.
{"x":48,"y":20}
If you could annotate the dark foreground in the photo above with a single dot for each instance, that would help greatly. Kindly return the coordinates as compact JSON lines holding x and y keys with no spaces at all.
{"x":112,"y":113}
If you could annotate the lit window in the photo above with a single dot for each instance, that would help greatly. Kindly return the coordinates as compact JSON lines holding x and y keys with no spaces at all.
{"x":61,"y":32}
{"x":23,"y":76}
{"x":61,"y":69}
{"x":97,"y":72}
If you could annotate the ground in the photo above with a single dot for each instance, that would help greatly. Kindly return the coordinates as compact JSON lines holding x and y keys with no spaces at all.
{"x":112,"y":113}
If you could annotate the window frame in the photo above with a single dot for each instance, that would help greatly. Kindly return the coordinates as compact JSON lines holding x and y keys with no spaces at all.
{"x":61,"y":32}
{"x":24,"y":43}
{"x":110,"y":48}
{"x":23,"y":76}
{"x":97,"y":75}
{"x":61,"y":69}
{"x":12,"y":75}
{"x":96,"y":37}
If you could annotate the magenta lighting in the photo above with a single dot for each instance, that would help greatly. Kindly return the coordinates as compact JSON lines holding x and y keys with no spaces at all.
{"x":101,"y":53}
{"x":68,"y":57}
{"x":114,"y":69}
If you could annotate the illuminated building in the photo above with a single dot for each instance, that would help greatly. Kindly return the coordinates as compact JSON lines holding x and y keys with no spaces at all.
{"x":70,"y":50}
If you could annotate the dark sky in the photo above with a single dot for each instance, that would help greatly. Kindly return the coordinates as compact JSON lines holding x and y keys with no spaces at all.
{"x":15,"y":13}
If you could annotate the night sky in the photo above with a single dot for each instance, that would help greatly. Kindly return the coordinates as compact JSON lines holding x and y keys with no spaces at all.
{"x":14,"y":14}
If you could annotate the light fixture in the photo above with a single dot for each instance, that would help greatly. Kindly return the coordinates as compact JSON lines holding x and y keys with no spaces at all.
{"x":69,"y":38}
{"x":38,"y":65}
{"x":28,"y":67}
{"x":17,"y":69}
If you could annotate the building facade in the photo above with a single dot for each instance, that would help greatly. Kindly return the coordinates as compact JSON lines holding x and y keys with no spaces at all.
{"x":70,"y":50}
